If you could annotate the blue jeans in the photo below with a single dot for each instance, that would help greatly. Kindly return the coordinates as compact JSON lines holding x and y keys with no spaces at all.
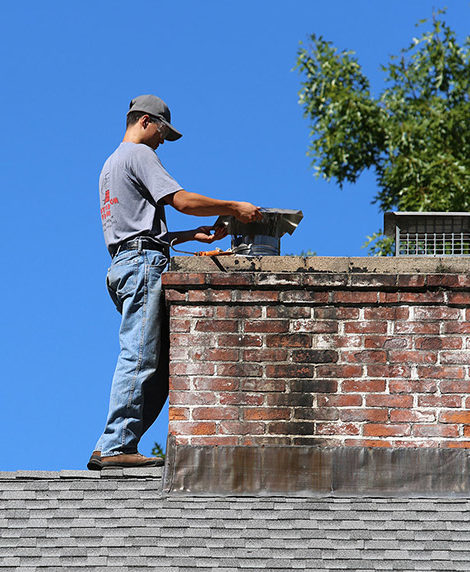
{"x":140,"y":383}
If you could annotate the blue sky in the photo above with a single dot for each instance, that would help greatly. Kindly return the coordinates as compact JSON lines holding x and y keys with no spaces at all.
{"x":225,"y":69}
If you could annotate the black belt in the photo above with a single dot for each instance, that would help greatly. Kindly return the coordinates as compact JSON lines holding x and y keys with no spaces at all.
{"x":140,"y":243}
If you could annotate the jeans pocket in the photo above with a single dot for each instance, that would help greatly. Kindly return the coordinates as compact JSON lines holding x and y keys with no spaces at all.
{"x":121,"y":279}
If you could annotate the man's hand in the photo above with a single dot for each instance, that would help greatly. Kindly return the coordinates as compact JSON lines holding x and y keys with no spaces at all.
{"x":209,"y":234}
{"x":246,"y":212}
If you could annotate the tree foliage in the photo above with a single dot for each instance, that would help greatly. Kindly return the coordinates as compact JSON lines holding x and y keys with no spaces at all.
{"x":415,"y":134}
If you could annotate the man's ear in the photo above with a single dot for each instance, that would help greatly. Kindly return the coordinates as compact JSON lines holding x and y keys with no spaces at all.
{"x":144,"y":121}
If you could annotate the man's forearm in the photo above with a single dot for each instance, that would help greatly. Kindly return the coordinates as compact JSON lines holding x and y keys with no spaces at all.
{"x":200,"y":205}
{"x":180,"y":236}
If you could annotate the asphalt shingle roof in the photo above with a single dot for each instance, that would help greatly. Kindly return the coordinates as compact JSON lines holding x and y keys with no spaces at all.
{"x":120,"y":520}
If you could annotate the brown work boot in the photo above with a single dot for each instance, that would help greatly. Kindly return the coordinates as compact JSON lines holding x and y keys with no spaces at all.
{"x":94,"y":464}
{"x":131,"y":460}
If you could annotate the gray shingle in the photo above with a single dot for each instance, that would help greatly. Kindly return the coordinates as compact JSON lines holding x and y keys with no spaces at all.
{"x":76,"y":520}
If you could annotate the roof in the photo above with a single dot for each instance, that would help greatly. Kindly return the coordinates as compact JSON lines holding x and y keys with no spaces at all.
{"x":77,"y":520}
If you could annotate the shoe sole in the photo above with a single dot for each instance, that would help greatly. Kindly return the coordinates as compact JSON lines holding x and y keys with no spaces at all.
{"x":94,"y":464}
{"x":113,"y":465}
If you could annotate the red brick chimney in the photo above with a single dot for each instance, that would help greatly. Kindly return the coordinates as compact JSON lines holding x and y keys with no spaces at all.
{"x":305,"y":355}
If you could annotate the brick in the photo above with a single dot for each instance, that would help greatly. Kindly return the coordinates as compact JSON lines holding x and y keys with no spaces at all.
{"x":339,"y":400}
{"x":461,"y":298}
{"x":367,"y":443}
{"x":455,"y":417}
{"x":239,"y":369}
{"x":191,"y":368}
{"x":407,"y":416}
{"x":260,"y":384}
{"x":177,"y":325}
{"x":241,"y":428}
{"x":402,"y":327}
{"x":364,"y":327}
{"x":187,"y":311}
{"x":389,"y":371}
{"x":347,"y":313}
{"x":455,"y":357}
{"x":428,"y":297}
{"x":412,"y":386}
{"x":209,"y":295}
{"x":180,"y":353}
{"x":336,"y":429}
{"x":289,"y":340}
{"x":191,"y":428}
{"x":183,"y":278}
{"x":410,"y":357}
{"x":438,"y":342}
{"x":397,"y":343}
{"x":314,"y":356}
{"x":267,"y":326}
{"x":291,"y":399}
{"x":386,"y":430}
{"x":310,"y":296}
{"x":265,"y":355}
{"x":314,"y":326}
{"x":317,"y":413}
{"x":172,"y":295}
{"x":443,"y":280}
{"x":334,"y":341}
{"x":291,"y":428}
{"x":192,"y":398}
{"x":326,"y":280}
{"x":289,"y":371}
{"x":265,"y":413}
{"x":220,"y":354}
{"x":364,"y":357}
{"x":180,"y":383}
{"x":355,"y":297}
{"x":264,"y":440}
{"x":238,"y":311}
{"x":278,"y":279}
{"x":312,"y":441}
{"x":386,"y":313}
{"x":435,"y":430}
{"x":454,"y":386}
{"x":456,"y":327}
{"x":439,"y":401}
{"x":215,"y":441}
{"x":215,"y":384}
{"x":178,"y":413}
{"x":230,"y":278}
{"x":421,"y":443}
{"x":411,"y":280}
{"x":314,"y":385}
{"x":363,"y":385}
{"x":324,"y":313}
{"x":217,"y":325}
{"x":373,"y":415}
{"x":466,"y":431}
{"x":185,"y":340}
{"x":288,"y":312}
{"x":255,"y":296}
{"x":456,"y":444}
{"x":372,"y":280}
{"x":436,"y":313}
{"x":377,"y":342}
{"x":242,"y":398}
{"x":218,"y":412}
{"x":339,"y":371}
{"x":402,"y":401}
{"x":441,"y":372}
{"x":388,"y":297}
{"x":239,"y":340}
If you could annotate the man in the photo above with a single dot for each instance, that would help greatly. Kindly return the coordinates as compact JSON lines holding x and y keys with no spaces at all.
{"x":134,"y":187}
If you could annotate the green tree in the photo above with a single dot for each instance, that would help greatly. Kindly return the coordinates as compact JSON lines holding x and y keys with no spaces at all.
{"x":415,"y":134}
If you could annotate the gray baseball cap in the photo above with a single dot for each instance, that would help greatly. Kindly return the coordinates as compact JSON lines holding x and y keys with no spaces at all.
{"x":155,"y":106}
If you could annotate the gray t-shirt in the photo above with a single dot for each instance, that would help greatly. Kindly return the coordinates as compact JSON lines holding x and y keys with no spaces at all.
{"x":133,"y":183}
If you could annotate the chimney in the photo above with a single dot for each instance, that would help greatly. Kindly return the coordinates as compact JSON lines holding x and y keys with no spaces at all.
{"x":293,"y":374}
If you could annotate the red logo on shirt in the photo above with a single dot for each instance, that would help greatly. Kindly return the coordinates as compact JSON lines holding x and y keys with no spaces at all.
{"x":106,"y":209}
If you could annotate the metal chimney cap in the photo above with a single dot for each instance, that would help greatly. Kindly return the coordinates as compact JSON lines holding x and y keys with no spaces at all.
{"x":275,"y":222}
